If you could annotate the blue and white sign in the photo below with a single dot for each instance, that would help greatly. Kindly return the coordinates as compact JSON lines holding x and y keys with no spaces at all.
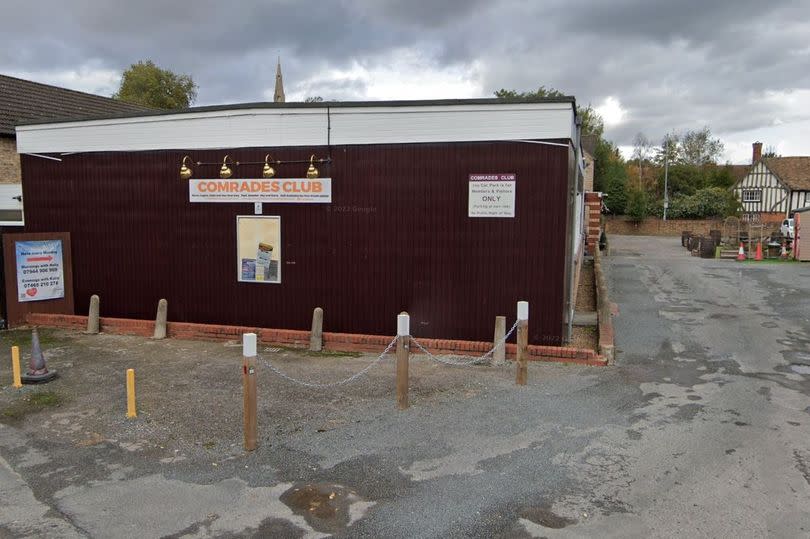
{"x":40,"y":273}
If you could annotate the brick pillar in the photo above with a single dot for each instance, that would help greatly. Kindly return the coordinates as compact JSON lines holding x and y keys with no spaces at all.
{"x":593,"y":220}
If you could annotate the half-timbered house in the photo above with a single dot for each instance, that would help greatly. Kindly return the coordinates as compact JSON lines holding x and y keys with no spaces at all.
{"x":774,"y":187}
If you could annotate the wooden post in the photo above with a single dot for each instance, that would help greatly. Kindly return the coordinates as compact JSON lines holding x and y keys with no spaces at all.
{"x":249,"y":389}
{"x":499,"y":356}
{"x":15,"y":367}
{"x":403,"y":351}
{"x":92,"y":315}
{"x":316,"y":334}
{"x":132,"y":412}
{"x":160,"y":319}
{"x":522,"y":342}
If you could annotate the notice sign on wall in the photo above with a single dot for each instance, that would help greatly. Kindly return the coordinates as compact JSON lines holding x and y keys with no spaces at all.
{"x":492,"y":195}
{"x":258,"y":246}
{"x":40,"y":273}
{"x":294,"y":190}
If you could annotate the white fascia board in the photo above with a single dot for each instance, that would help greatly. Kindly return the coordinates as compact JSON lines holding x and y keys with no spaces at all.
{"x":204,"y":130}
{"x":261,"y":127}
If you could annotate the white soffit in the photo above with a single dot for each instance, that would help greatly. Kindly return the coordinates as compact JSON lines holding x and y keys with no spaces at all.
{"x":289,"y":126}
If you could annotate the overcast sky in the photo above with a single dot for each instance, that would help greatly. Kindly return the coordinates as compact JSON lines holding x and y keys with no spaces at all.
{"x":741,"y":67}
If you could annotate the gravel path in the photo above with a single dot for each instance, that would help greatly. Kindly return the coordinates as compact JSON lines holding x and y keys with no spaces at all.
{"x":700,"y":430}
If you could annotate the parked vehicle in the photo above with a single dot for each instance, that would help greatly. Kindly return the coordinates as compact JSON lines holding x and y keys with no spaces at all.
{"x":787,"y":229}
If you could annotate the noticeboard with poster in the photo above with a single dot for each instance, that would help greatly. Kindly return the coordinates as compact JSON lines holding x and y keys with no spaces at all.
{"x":258,"y":248}
{"x":40,"y":273}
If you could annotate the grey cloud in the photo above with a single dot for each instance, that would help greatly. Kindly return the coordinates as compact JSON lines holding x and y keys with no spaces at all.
{"x":672,"y":65}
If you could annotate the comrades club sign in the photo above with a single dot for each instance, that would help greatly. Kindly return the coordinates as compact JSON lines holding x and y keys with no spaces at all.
{"x":293,"y":190}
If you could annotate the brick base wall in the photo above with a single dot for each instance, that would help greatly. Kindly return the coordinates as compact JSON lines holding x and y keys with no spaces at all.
{"x":764,"y":218}
{"x":344,"y":342}
{"x":658,"y":227}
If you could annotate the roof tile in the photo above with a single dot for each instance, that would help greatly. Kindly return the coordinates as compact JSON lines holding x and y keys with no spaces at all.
{"x":25,"y":101}
{"x":792,"y":171}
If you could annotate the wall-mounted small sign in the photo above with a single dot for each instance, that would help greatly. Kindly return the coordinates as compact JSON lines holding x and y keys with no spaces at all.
{"x":290,"y":190}
{"x":492,"y":195}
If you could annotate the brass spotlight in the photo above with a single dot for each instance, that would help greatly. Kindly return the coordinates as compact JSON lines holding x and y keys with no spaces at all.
{"x":312,"y":172}
{"x":267,"y":170}
{"x":225,"y":171}
{"x":185,"y":172}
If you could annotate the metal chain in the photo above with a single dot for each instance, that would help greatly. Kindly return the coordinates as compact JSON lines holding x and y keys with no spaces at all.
{"x":470,"y":359}
{"x":345,"y":381}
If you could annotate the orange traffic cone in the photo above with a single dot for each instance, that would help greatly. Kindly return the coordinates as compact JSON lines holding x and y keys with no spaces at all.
{"x":741,"y":256}
{"x":783,"y":254}
{"x":759,"y":251}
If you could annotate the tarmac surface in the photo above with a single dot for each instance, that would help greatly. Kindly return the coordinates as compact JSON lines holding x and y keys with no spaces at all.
{"x":700,"y":430}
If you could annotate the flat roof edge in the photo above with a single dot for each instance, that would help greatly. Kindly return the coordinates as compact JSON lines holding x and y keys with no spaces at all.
{"x":318,"y":105}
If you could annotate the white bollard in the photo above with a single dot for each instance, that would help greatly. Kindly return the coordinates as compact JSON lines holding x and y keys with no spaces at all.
{"x":522,"y":343}
{"x":249,"y":390}
{"x":522,"y":310}
{"x":403,"y":325}
{"x":249,"y":345}
{"x":403,"y":353}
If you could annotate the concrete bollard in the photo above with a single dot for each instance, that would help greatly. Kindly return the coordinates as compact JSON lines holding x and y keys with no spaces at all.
{"x":316,"y":334}
{"x":93,"y":325}
{"x":522,"y":343}
{"x":499,"y":356}
{"x":403,"y":353}
{"x":160,"y":320}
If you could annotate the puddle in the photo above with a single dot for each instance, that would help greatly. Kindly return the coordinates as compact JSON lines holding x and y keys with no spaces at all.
{"x":545,"y":518}
{"x":326,"y":507}
{"x":799,"y":368}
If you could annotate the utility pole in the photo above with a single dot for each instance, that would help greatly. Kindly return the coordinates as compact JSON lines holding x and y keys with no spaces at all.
{"x":666,"y":180}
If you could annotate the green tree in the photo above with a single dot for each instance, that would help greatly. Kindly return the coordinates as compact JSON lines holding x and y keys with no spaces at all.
{"x":682,"y":179}
{"x":637,"y":205}
{"x":540,"y":93}
{"x":592,"y":122}
{"x":313,"y":99}
{"x":704,"y":203}
{"x":146,"y":84}
{"x":699,"y":148}
{"x":615,"y":186}
{"x":668,"y":151}
{"x":770,"y":151}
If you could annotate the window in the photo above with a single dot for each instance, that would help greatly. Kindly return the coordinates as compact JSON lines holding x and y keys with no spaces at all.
{"x":752,"y":195}
{"x":11,"y":208}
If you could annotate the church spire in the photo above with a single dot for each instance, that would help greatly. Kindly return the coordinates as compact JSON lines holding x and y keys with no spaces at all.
{"x":278,"y":95}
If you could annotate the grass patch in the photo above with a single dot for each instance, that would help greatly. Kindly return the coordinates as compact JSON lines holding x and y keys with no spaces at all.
{"x":22,"y":338}
{"x":771,"y":261}
{"x":45,"y":398}
{"x":32,"y":403}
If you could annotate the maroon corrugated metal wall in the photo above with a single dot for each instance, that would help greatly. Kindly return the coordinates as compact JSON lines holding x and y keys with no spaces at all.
{"x":395,"y":238}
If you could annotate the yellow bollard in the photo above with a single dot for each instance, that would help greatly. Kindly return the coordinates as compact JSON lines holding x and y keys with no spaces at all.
{"x":131,"y":412}
{"x":15,"y":366}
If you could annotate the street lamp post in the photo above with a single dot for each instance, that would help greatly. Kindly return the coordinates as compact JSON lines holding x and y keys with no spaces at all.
{"x":666,"y":181}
